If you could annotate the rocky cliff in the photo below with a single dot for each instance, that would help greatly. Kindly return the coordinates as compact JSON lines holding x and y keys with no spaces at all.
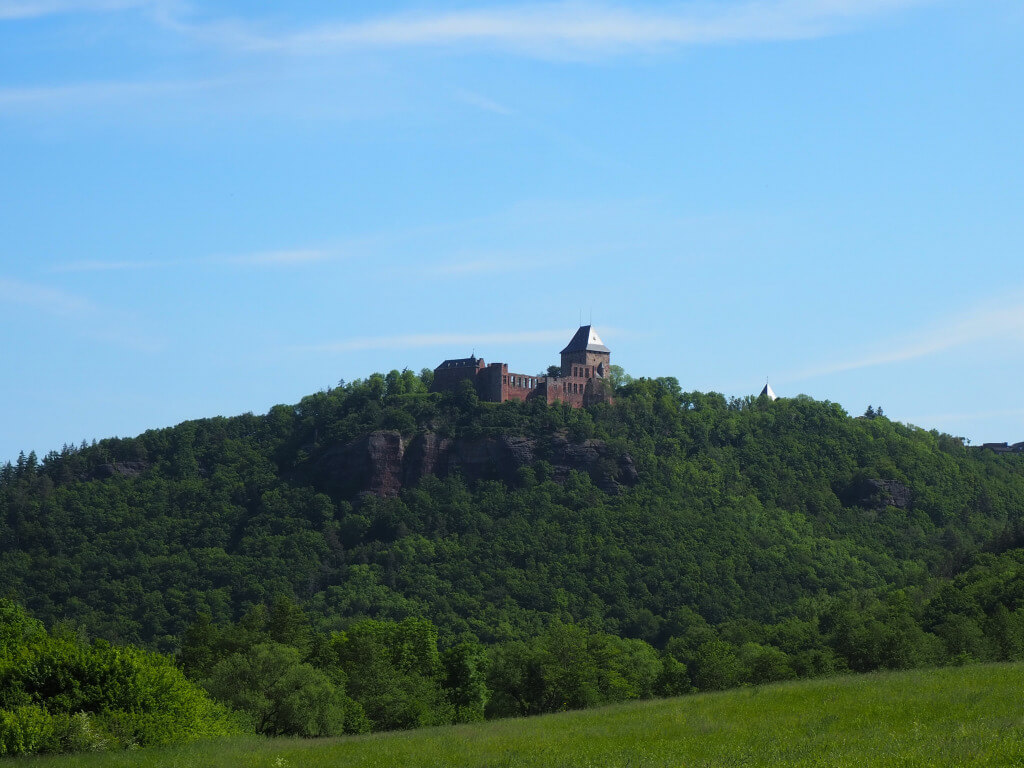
{"x":877,"y":494}
{"x":382,"y":463}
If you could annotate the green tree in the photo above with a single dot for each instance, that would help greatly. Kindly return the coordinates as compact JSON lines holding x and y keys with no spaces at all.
{"x":465,"y":681}
{"x":58,"y":693}
{"x":395,"y":672}
{"x":279,"y":693}
{"x":618,"y":377}
{"x":716,"y":666}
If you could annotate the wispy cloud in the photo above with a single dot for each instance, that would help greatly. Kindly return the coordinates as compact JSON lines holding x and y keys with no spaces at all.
{"x":455,"y":340}
{"x":560,"y":28}
{"x":480,"y":267}
{"x":30,"y":9}
{"x":985,"y":324}
{"x":482,"y":102}
{"x":257,"y":259}
{"x":109,"y":266}
{"x":278,"y":257}
{"x":86,"y":318}
{"x":103,"y":91}
{"x":573,"y":30}
{"x":51,"y":301}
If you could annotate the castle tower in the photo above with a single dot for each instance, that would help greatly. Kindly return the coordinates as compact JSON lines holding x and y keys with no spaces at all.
{"x":586,"y":355}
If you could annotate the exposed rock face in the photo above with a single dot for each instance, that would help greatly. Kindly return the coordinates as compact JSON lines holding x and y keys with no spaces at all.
{"x":878,"y":494}
{"x":385,"y":452}
{"x":382,"y":463}
{"x":372,"y":464}
{"x":123,"y":468}
{"x":425,"y":456}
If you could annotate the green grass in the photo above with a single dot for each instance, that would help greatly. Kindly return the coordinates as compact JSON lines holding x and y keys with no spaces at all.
{"x":967,"y":716}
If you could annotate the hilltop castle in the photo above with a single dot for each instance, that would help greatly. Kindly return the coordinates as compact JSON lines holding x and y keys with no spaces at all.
{"x":583,"y":379}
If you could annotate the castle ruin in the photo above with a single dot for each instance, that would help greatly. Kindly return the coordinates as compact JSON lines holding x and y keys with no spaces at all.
{"x":582,"y":381}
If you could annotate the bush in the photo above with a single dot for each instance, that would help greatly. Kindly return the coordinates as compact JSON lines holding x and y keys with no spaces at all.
{"x":59,"y":694}
{"x":279,"y":693}
{"x":25,"y":730}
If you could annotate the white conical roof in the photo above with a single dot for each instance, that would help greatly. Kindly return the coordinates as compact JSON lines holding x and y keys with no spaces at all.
{"x":768,"y":391}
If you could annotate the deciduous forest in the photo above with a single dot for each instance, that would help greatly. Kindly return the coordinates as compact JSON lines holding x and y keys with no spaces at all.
{"x":237,"y":574}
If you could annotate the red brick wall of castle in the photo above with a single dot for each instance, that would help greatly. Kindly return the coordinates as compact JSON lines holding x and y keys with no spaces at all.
{"x":579,"y":385}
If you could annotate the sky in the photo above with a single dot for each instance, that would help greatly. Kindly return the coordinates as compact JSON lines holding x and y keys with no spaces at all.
{"x":209,"y":208}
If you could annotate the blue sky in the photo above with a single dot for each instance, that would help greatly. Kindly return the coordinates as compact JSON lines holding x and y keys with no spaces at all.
{"x":210,"y":208}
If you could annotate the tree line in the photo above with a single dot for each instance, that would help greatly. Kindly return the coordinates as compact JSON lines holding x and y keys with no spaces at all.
{"x":273,"y":673}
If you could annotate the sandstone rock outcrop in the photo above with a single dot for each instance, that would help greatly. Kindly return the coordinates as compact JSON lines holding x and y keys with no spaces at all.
{"x":382,"y":463}
{"x":878,"y":494}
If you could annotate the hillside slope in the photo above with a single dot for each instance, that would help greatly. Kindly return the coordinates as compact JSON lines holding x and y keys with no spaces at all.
{"x":655,"y":518}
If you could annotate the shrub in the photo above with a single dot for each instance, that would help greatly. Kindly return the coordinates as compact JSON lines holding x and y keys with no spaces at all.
{"x":279,"y":693}
{"x":59,"y":694}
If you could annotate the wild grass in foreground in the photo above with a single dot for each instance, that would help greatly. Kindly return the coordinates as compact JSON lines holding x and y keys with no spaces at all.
{"x":967,"y":716}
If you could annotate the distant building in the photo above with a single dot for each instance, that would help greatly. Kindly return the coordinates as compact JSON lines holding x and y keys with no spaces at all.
{"x":583,"y":378}
{"x":767,"y":392}
{"x":1004,"y":447}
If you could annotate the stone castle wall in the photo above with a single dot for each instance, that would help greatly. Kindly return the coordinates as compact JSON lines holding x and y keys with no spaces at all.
{"x":580,"y":384}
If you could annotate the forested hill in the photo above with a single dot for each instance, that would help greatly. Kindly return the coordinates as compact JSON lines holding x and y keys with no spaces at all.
{"x":667,"y":514}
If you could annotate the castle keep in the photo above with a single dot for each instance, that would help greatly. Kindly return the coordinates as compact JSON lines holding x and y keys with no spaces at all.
{"x":586,"y":363}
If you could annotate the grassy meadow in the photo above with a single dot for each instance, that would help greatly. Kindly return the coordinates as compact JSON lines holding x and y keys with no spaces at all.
{"x":964,"y":716}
